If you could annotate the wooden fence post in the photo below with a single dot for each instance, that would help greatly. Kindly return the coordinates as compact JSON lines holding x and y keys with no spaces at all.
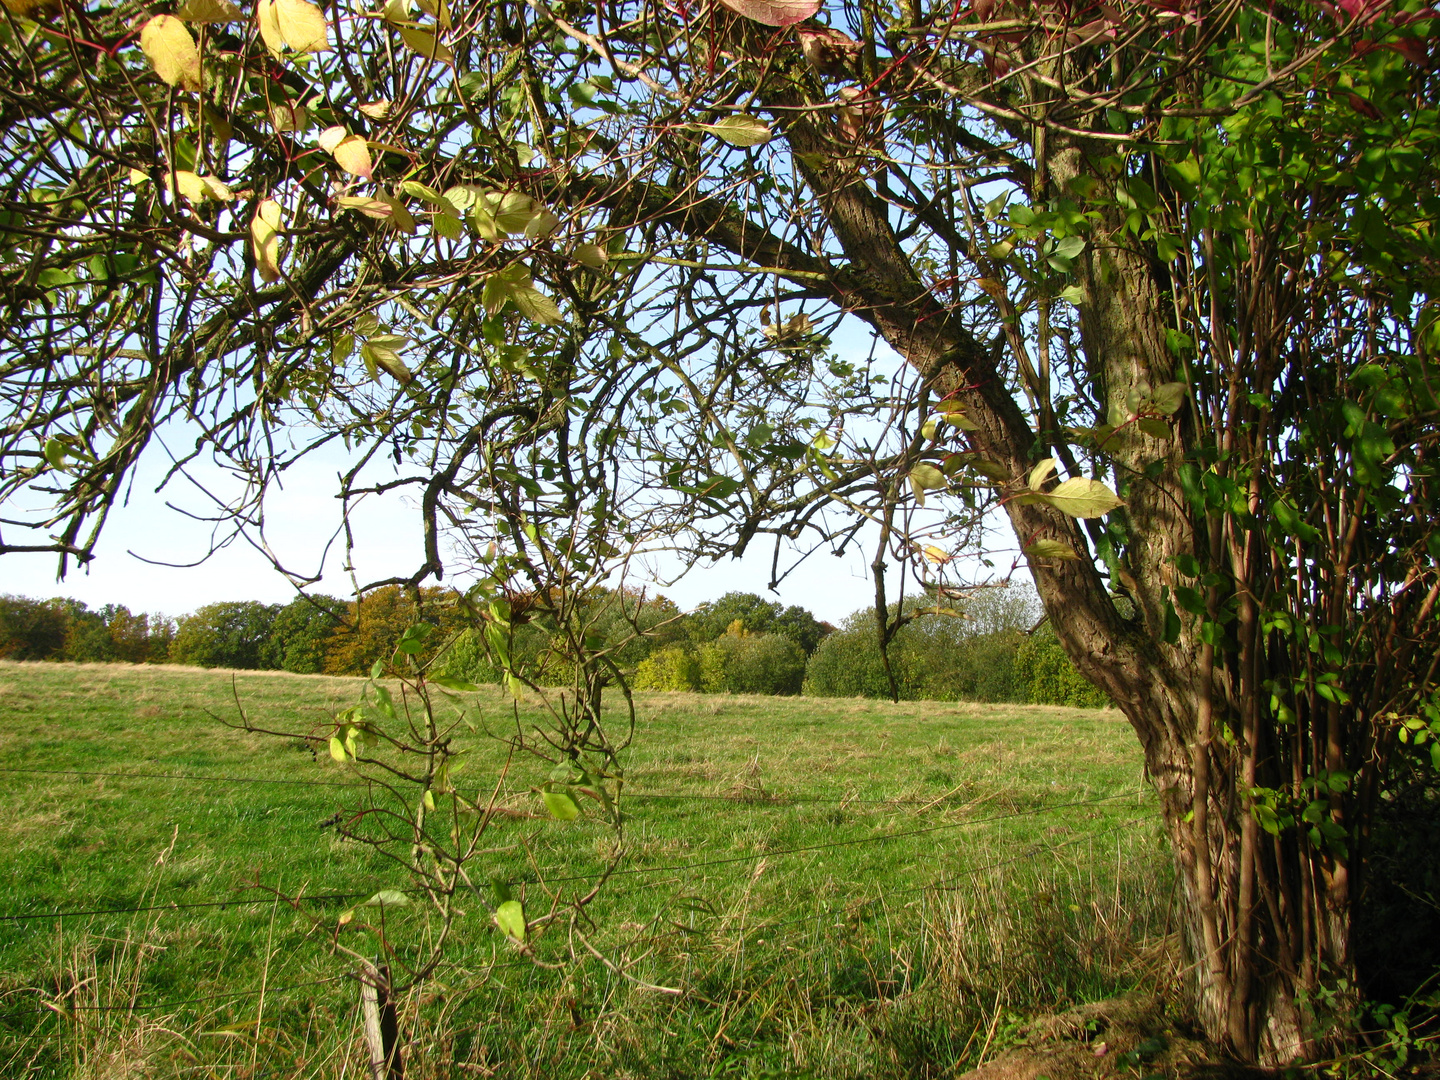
{"x":377,"y":1010}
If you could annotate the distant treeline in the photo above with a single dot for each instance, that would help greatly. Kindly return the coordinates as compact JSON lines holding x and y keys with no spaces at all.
{"x":741,"y":643}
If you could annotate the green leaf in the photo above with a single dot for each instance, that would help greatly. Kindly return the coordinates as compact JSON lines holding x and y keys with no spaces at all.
{"x":1171,"y":632}
{"x":1288,"y":517}
{"x":927,"y":477}
{"x":1042,"y":471}
{"x":1267,"y":818}
{"x":384,"y":700}
{"x":1082,"y":497}
{"x":1074,"y":294}
{"x":560,"y":803}
{"x":387,"y":898}
{"x":1154,"y":427}
{"x":1051,"y":549}
{"x":1168,"y":246}
{"x":510,"y":918}
{"x":739,"y":130}
{"x":450,"y":682}
{"x":1168,"y":397}
{"x":337,"y":749}
{"x":55,"y":454}
{"x":1185,"y":175}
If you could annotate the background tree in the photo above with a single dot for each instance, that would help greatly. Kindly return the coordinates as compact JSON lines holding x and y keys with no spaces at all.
{"x":300,"y":633}
{"x":229,"y":634}
{"x":714,"y":617}
{"x":1161,"y":276}
{"x":31,"y":629}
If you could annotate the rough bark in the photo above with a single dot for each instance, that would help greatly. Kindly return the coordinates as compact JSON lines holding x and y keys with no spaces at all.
{"x":1245,"y":978}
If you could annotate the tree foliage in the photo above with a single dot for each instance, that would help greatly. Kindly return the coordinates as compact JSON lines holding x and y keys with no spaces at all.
{"x":712,"y":618}
{"x":972,"y":653}
{"x":65,"y":629}
{"x":231,"y":634}
{"x":741,"y":662}
{"x":1162,"y":277}
{"x":300,"y":633}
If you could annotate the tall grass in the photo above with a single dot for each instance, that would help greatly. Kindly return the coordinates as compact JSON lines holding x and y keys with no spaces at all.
{"x":907,"y":958}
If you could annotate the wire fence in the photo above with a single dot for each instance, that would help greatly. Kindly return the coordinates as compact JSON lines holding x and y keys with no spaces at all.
{"x":688,"y":865}
{"x":753,"y":798}
{"x":954,"y":881}
{"x":948,"y":882}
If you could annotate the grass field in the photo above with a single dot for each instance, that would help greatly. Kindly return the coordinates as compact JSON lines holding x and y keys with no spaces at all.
{"x":965,"y":865}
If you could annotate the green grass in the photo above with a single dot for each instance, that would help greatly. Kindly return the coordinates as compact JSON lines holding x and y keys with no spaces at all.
{"x":883,"y":957}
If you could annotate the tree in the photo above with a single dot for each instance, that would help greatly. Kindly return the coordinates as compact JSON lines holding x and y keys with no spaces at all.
{"x":228,"y":634}
{"x":299,"y":634}
{"x":31,"y":629}
{"x":712,"y":618}
{"x":1162,"y":278}
{"x":375,"y":623}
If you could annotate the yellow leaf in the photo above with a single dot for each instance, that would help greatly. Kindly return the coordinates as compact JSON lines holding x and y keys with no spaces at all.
{"x":1083,"y":497}
{"x":269,"y":20}
{"x":376,"y":110}
{"x":217,"y":190}
{"x":286,"y":117}
{"x":438,"y":8}
{"x":399,"y":216}
{"x":199,"y":188}
{"x":1040,"y":473}
{"x":1051,"y":549}
{"x":332,"y":137}
{"x":352,"y":155}
{"x":512,"y":209}
{"x":138,"y":177}
{"x":739,"y":130}
{"x":302,"y":26}
{"x":541,"y":224}
{"x":591,"y":255}
{"x":426,"y":44}
{"x":171,"y":49}
{"x":956,"y":416}
{"x":396,"y":11}
{"x":937,"y":555}
{"x":376,"y":208}
{"x":265,"y":239}
{"x":209,"y":11}
{"x":927,"y":477}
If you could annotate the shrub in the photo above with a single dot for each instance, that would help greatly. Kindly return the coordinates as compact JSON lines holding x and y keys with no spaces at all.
{"x":847,"y":663}
{"x":965,"y":656}
{"x":739,"y":662}
{"x":1048,"y":677}
{"x":671,"y":668}
{"x":466,"y":659}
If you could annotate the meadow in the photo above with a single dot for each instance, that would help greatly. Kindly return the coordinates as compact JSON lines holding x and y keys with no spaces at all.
{"x":809,"y":888}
